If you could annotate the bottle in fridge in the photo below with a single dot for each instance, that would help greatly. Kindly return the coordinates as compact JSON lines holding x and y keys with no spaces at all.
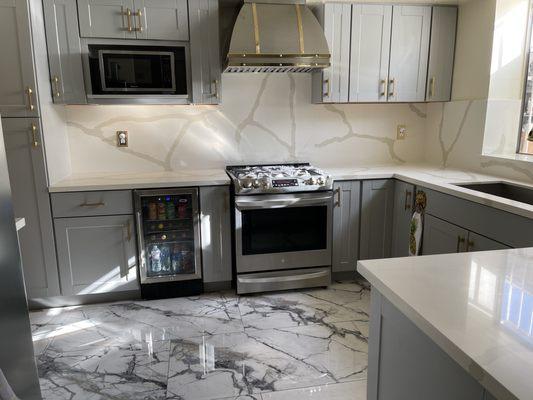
{"x":168,"y":228}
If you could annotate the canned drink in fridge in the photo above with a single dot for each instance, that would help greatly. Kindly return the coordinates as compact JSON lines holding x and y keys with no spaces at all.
{"x":171,"y":210}
{"x":152,"y":211}
{"x":161,"y":211}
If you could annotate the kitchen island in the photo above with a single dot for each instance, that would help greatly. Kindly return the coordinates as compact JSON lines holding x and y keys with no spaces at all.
{"x":454,"y":326}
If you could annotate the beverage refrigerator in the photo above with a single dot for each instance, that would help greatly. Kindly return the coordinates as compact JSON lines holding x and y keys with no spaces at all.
{"x":168,"y":230}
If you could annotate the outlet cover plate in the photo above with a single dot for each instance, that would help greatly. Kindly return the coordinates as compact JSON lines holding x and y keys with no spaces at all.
{"x":122,"y":138}
{"x":401,"y":132}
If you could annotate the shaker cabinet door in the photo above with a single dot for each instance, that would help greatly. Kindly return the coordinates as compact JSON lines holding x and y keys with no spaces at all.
{"x":481,"y":243}
{"x":18,"y":91}
{"x":370,"y":49}
{"x":96,"y":254}
{"x":107,"y":19}
{"x":401,"y":225}
{"x":441,"y":53}
{"x":409,"y":53}
{"x":161,"y":19}
{"x":64,"y":51}
{"x":441,"y":237}
{"x":27,"y":172}
{"x":335,"y":79}
{"x":347,"y":195}
{"x":215,"y":233}
{"x":376,"y":219}
{"x":205,"y":47}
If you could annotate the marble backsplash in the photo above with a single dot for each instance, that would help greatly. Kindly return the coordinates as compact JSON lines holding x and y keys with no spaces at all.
{"x":262,"y":118}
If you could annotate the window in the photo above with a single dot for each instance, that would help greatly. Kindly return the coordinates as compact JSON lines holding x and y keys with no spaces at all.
{"x":526,"y":132}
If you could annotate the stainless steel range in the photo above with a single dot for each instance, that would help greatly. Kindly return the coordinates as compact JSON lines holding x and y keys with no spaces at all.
{"x":282,"y":226}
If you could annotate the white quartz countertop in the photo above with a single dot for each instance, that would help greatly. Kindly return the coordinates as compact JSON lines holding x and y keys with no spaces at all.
{"x":478,"y":307}
{"x":115,"y":181}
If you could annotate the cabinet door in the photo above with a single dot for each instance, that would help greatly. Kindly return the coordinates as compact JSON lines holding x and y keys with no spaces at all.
{"x":477,"y":242}
{"x":96,"y":254}
{"x":64,"y":51}
{"x":409,"y":53}
{"x":401,"y":225}
{"x":346,"y":225}
{"x":376,"y":219}
{"x":27,"y":172}
{"x":441,"y":237}
{"x":370,"y":47}
{"x":18,"y":96}
{"x":441,"y":53}
{"x":107,"y":19}
{"x":162,"y":19}
{"x":335,"y":79}
{"x":215,"y":233}
{"x":205,"y":45}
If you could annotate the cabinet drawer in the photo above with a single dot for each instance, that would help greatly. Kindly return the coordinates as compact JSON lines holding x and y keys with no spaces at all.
{"x":83,"y":204}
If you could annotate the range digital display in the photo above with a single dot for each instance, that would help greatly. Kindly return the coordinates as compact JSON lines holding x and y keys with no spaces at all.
{"x":284,"y":182}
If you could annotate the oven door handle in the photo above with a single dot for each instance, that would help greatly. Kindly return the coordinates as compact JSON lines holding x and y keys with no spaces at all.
{"x":246,"y":204}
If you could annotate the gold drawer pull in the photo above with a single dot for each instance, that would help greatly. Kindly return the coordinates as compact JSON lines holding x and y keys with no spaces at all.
{"x":128,"y":15}
{"x":57,"y":92}
{"x":392,"y":84}
{"x":216,"y":88}
{"x":29,"y":93}
{"x":35,"y":141}
{"x":383,"y":84}
{"x":139,"y":18}
{"x":460,"y":241}
{"x":407,"y":205}
{"x":99,"y":204}
{"x":328,"y":85}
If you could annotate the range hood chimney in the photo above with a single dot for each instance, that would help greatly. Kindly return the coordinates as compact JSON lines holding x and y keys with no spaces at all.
{"x":277,"y":36}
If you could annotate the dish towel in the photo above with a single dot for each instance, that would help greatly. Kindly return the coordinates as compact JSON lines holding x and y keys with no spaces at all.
{"x":417,"y":224}
{"x":6,"y":393}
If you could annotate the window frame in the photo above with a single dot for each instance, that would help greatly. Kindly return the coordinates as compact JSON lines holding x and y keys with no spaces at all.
{"x":527,"y":59}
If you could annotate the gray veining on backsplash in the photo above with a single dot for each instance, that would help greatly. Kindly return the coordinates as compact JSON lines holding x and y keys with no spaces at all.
{"x":446,"y":150}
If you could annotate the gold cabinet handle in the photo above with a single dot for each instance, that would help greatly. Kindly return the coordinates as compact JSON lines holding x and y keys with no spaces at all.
{"x":139,"y":19}
{"x":29,"y":93}
{"x":432,"y":87}
{"x":328,"y":85}
{"x":338,"y":203}
{"x":216,"y":94}
{"x":469,"y":245}
{"x":383,"y":84}
{"x":407,"y":205}
{"x":99,"y":204}
{"x":34,"y":137}
{"x":460,"y":241}
{"x":392,"y":84}
{"x":128,"y":17}
{"x":55,"y":80}
{"x":128,"y":230}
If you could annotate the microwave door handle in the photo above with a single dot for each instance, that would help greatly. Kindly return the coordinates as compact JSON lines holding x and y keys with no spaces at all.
{"x":243,"y":204}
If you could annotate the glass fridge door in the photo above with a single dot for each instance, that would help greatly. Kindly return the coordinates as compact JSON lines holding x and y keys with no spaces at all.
{"x":168,"y":235}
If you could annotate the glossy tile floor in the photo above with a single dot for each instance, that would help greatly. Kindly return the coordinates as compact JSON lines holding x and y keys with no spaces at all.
{"x":290,"y":345}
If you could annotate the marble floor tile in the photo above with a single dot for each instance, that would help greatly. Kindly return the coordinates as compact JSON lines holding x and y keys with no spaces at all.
{"x":354,"y":390}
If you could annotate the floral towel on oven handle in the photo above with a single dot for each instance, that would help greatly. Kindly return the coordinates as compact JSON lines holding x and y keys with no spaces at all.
{"x":417,"y":224}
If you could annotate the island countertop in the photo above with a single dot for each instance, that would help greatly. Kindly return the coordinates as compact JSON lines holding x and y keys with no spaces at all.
{"x":477,"y":307}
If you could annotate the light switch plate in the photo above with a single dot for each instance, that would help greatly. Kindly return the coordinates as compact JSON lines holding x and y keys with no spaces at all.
{"x":401,"y":132}
{"x":122,"y":138}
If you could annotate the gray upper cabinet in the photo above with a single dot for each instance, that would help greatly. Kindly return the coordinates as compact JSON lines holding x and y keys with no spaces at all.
{"x":107,"y":19}
{"x":346,"y":211}
{"x":376,"y":219}
{"x":64,"y":51}
{"x":441,"y":237}
{"x":215,"y":233}
{"x":401,"y":225}
{"x":27,"y":171}
{"x":205,"y":48}
{"x":409,"y":53}
{"x":18,"y":96}
{"x":441,"y":53}
{"x":331,"y":85}
{"x":96,"y":254}
{"x":370,"y":49}
{"x":161,"y":19}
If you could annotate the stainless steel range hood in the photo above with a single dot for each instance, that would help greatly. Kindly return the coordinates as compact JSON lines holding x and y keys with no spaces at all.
{"x":277,"y":36}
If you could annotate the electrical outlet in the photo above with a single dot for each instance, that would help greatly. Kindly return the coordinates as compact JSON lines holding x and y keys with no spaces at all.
{"x":401,"y":132}
{"x":122,"y":138}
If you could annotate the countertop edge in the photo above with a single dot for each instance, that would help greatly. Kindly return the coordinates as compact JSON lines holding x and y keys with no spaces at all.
{"x":459,"y":356}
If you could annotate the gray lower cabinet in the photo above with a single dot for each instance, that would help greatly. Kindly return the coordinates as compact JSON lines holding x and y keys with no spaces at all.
{"x":441,"y":237}
{"x":404,"y":194}
{"x":27,"y":171}
{"x":205,"y":47}
{"x":107,"y":19}
{"x":215,"y":231}
{"x":64,"y":51}
{"x":377,"y":201}
{"x":477,"y":242}
{"x":162,"y":19}
{"x":18,"y":90}
{"x":346,"y":225}
{"x":96,"y":254}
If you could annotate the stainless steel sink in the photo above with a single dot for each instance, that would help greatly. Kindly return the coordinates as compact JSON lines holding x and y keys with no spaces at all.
{"x":502,"y":189}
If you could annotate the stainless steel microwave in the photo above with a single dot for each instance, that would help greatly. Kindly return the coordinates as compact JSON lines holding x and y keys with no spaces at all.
{"x":136,"y":72}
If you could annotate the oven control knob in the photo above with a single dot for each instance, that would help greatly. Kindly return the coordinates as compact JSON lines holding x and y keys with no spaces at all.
{"x":320,"y":181}
{"x":311,"y":181}
{"x":256,"y":184}
{"x":247,"y":184}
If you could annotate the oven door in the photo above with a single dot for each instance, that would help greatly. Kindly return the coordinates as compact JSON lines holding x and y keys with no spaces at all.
{"x":283,"y":231}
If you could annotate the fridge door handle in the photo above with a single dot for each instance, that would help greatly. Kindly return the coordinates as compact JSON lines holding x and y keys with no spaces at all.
{"x":140,"y":243}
